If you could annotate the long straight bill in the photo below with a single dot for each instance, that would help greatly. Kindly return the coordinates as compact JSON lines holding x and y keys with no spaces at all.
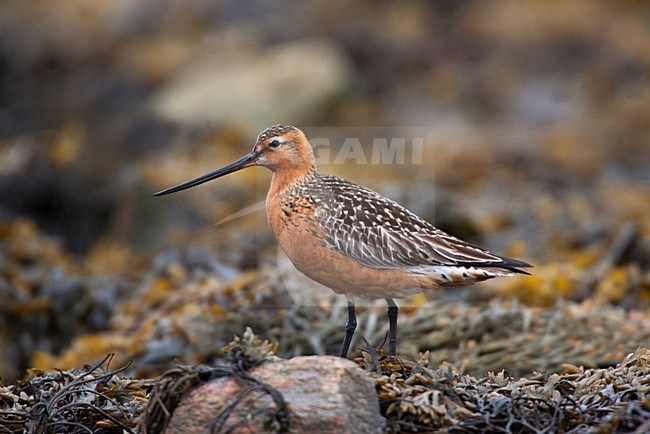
{"x":243,"y":162}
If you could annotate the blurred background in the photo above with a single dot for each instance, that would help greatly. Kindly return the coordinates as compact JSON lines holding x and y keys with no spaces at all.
{"x":536,"y":125}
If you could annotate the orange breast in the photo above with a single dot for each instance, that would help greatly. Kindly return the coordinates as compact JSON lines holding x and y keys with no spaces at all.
{"x":300,"y":236}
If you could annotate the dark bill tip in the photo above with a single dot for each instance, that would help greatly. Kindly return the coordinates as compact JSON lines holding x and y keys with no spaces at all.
{"x":246,"y":161}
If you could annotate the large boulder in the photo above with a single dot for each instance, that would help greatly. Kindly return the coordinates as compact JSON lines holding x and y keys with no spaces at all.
{"x":324,"y":394}
{"x":285,"y":83}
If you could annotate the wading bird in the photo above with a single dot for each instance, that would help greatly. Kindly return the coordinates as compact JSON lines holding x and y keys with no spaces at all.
{"x":352,"y":239}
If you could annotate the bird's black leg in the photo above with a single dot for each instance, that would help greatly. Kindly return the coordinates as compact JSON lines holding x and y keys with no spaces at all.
{"x":392,"y":326}
{"x":350,"y":326}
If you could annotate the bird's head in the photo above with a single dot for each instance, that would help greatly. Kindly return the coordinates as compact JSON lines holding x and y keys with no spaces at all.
{"x":281,"y":148}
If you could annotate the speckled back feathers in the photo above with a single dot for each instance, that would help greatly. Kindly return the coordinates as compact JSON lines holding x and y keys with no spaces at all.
{"x":377,"y":232}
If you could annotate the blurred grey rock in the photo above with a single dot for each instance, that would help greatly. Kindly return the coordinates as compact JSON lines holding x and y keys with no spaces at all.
{"x":325,"y":394}
{"x":286,"y":83}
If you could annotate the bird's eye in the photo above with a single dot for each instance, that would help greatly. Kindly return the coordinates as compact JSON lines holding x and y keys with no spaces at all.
{"x":274,"y":144}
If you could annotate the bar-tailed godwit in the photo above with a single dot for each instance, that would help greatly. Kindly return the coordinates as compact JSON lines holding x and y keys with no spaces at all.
{"x":352,"y":239}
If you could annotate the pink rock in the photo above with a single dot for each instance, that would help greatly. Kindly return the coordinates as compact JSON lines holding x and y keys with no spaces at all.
{"x":325,"y":394}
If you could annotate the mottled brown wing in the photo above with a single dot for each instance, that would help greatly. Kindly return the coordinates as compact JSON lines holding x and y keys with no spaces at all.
{"x":382,"y":234}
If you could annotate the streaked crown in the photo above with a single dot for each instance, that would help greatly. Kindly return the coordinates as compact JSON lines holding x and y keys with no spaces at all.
{"x":276,"y":131}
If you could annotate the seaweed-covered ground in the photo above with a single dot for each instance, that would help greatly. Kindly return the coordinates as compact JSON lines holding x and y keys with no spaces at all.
{"x":412,"y":397}
{"x":502,"y":364}
{"x":187,"y":305}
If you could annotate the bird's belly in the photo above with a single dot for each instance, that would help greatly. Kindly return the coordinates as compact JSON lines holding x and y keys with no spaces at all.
{"x":344,"y":275}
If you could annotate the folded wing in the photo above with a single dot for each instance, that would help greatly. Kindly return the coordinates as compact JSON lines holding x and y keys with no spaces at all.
{"x":382,"y":234}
